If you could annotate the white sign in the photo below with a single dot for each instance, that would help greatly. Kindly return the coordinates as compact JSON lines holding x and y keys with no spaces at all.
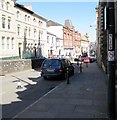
{"x":110,"y":46}
{"x":111,"y":55}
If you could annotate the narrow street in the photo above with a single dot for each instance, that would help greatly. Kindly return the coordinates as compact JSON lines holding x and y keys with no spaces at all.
{"x":84,"y":97}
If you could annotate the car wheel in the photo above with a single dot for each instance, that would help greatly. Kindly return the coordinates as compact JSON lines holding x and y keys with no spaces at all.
{"x":45,"y":78}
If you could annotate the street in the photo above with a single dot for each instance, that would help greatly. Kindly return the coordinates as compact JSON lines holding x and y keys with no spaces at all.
{"x":33,"y":87}
{"x":84,"y":97}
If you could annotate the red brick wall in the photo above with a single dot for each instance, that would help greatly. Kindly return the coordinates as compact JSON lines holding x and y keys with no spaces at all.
{"x":68,"y":37}
{"x":71,"y":38}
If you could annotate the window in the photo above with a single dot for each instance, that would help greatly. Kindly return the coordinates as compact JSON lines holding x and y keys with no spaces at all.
{"x":34,"y":20}
{"x":47,"y":39}
{"x":3,"y":21}
{"x":9,"y":23}
{"x":18,"y":14}
{"x":7,"y":6}
{"x":12,"y":43}
{"x":28,"y":18}
{"x":18,"y":30}
{"x":52,"y":62}
{"x":52,"y":40}
{"x":3,"y":42}
{"x":39,"y":23}
{"x":25,"y":17}
{"x":25,"y":31}
{"x":2,"y":4}
{"x":35,"y":33}
{"x":29,"y":31}
{"x":8,"y":42}
{"x":67,"y":36}
{"x":41,"y":34}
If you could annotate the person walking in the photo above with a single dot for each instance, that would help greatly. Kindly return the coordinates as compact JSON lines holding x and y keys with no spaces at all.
{"x":79,"y":63}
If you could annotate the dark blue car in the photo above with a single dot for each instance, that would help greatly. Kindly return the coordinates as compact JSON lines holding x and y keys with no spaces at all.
{"x":56,"y":67}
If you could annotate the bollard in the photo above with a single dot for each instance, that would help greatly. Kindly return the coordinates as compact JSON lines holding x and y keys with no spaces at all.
{"x":67,"y":75}
{"x":19,"y":84}
{"x":80,"y":66}
{"x":86,"y":64}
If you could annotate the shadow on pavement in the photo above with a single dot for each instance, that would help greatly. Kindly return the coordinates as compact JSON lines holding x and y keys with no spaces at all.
{"x":28,"y":94}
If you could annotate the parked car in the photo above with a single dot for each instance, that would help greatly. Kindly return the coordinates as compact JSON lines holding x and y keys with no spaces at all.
{"x":92,"y":58}
{"x":86,"y":60}
{"x":56,"y":67}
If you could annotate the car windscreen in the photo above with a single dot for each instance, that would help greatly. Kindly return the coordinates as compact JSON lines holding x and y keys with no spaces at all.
{"x":51,"y":62}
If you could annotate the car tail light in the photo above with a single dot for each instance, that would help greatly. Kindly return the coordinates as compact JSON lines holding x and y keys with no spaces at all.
{"x":61,"y":70}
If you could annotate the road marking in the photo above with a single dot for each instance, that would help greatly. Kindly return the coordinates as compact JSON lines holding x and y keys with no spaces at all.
{"x":16,"y":116}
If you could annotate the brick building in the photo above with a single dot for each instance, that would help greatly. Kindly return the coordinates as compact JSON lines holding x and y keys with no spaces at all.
{"x":72,"y":39}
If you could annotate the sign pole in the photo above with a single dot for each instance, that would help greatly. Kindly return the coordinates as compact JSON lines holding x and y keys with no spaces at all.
{"x":111,"y":58}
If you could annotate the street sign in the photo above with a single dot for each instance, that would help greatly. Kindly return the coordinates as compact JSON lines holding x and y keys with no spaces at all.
{"x":110,"y":46}
{"x":111,"y":56}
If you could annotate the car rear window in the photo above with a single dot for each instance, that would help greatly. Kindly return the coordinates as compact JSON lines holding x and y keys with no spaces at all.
{"x":52,"y":62}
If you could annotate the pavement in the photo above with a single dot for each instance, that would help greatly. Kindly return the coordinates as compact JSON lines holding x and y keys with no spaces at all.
{"x":84,"y":97}
{"x":9,"y":84}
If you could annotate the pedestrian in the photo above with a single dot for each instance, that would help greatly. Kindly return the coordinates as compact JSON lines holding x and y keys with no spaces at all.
{"x":80,"y":57}
{"x":79,"y":63}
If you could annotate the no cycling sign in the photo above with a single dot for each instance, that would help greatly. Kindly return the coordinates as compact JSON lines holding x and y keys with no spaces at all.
{"x":111,"y":55}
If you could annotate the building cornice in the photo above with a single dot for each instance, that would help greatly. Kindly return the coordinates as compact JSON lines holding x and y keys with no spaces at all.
{"x":51,"y":34}
{"x":29,"y":11}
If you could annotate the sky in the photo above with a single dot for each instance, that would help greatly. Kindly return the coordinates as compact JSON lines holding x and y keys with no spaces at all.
{"x":81,"y":14}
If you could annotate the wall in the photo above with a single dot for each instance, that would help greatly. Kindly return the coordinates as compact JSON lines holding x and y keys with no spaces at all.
{"x":10,"y":66}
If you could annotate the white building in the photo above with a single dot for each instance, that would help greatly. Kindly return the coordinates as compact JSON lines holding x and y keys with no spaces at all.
{"x":51,"y":44}
{"x":92,"y":47}
{"x":85,"y":44}
{"x":56,"y":29}
{"x":22,"y":31}
{"x":8,"y":40}
{"x":31,"y":32}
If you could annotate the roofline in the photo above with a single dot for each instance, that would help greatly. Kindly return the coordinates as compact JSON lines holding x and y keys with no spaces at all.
{"x":23,"y":8}
{"x":51,"y":34}
{"x":36,"y":15}
{"x":58,"y":24}
{"x":29,"y":11}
